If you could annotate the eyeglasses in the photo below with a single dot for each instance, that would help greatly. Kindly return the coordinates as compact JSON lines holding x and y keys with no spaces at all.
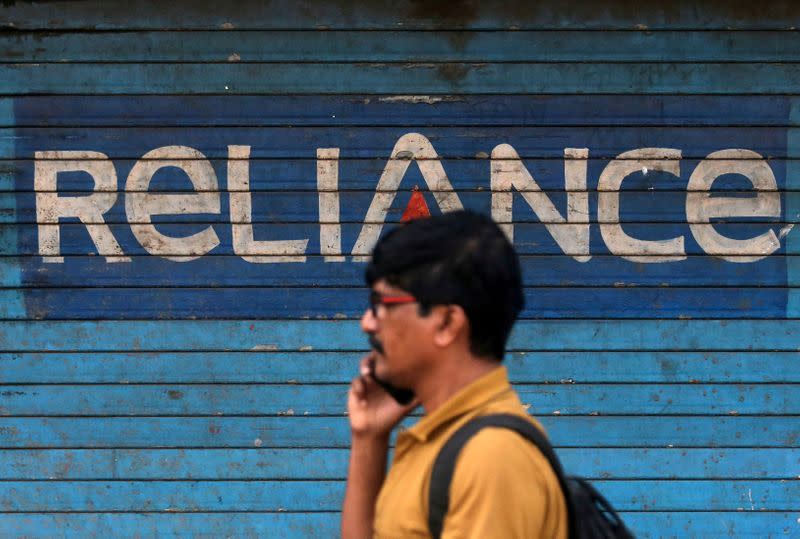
{"x":387,"y":300}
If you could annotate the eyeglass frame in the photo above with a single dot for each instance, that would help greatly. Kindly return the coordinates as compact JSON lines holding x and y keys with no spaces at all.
{"x":377,"y":299}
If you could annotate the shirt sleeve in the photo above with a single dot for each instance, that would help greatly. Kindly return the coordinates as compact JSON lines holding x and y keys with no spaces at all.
{"x":504,"y":487}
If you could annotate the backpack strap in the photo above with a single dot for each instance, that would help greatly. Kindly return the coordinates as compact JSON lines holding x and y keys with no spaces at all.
{"x":445,"y":463}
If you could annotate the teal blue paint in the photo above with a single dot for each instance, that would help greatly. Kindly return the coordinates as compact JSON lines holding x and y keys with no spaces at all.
{"x":392,"y":79}
{"x":7,"y":181}
{"x":586,"y":367}
{"x":293,"y":464}
{"x":368,"y":110}
{"x":12,"y":305}
{"x":163,"y":524}
{"x":10,"y":274}
{"x":302,"y":335}
{"x":12,"y":301}
{"x":7,"y":111}
{"x":133,"y":464}
{"x":8,"y":142}
{"x":792,"y":208}
{"x":400,"y":46}
{"x":710,"y":525}
{"x":8,"y":205}
{"x":326,"y":400}
{"x":334,"y":432}
{"x":647,"y":525}
{"x":173,"y":495}
{"x":296,"y":496}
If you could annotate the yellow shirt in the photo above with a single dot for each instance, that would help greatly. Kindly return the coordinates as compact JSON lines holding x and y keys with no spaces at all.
{"x":502,"y":485}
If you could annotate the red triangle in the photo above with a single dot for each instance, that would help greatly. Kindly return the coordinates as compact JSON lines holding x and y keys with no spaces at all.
{"x":416,"y":208}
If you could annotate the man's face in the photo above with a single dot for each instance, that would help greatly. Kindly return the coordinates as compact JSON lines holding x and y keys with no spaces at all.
{"x":400,"y":336}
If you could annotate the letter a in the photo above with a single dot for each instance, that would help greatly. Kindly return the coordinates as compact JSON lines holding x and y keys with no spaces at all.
{"x":411,"y":146}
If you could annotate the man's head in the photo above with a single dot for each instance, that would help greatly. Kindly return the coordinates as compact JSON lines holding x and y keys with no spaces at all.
{"x":460,"y":259}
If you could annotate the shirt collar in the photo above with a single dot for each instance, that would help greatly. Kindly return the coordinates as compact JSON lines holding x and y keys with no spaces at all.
{"x":477,"y":393}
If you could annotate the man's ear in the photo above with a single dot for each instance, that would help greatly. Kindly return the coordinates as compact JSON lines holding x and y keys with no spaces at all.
{"x":451,"y":323}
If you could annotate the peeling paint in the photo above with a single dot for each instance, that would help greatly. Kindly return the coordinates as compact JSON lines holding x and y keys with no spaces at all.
{"x":427,"y":99}
{"x":264,"y":348}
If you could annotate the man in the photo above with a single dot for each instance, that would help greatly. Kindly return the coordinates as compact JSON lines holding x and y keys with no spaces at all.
{"x":446,"y":291}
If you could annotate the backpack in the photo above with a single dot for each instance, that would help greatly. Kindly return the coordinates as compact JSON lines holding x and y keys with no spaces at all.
{"x":590,"y":516}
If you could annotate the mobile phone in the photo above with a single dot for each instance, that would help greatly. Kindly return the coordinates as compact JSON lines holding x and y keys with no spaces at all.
{"x":402,"y":396}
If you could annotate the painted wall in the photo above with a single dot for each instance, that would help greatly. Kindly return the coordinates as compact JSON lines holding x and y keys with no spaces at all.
{"x":188,"y":193}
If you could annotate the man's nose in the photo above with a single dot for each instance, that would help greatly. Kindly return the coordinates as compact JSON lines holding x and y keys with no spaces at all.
{"x":368,"y":321}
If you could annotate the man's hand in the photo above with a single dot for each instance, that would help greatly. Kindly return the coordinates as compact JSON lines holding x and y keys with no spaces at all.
{"x":373,"y":414}
{"x":372,"y":411}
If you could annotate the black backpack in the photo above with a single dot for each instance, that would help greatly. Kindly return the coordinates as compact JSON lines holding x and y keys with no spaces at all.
{"x":590,"y":515}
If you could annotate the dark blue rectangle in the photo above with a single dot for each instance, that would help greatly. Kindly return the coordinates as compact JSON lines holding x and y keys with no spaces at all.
{"x":283,"y":159}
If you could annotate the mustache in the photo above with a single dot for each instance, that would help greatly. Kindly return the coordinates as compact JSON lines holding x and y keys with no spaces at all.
{"x":375,"y":343}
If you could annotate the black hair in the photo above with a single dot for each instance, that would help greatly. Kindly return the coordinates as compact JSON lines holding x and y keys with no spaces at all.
{"x":458,"y":258}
